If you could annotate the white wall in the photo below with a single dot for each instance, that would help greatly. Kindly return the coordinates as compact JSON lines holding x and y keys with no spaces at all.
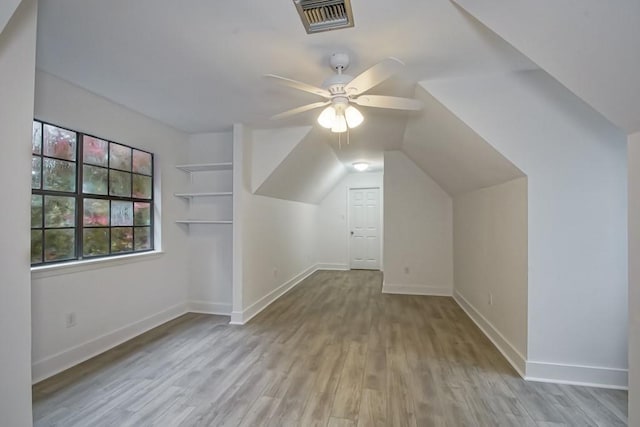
{"x":7,"y":8}
{"x":333,"y":237}
{"x":306,"y":174}
{"x":418,"y":230}
{"x":274,"y":147}
{"x":490,"y":262}
{"x":575,"y":161}
{"x":112,"y":301}
{"x":17,"y":68}
{"x":278,"y":238}
{"x":590,"y":46}
{"x":456,"y":157}
{"x":634,"y":279}
{"x":210,"y":246}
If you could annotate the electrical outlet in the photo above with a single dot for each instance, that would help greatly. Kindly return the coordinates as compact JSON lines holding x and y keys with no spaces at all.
{"x":490,"y":298}
{"x":406,"y":270}
{"x":70,"y":319}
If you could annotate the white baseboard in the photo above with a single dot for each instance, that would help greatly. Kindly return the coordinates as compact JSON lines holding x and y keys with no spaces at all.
{"x":332,"y":266}
{"x":590,"y":376}
{"x":240,"y":318}
{"x":66,"y":359}
{"x":558,"y":373}
{"x":236,"y":318}
{"x":205,"y":307}
{"x":439,"y":291}
{"x":508,"y":350}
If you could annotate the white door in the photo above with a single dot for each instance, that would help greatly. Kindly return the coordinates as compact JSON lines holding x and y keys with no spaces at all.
{"x":364,"y":228}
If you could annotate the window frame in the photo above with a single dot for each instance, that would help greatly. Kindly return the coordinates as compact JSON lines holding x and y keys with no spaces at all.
{"x":79,"y":199}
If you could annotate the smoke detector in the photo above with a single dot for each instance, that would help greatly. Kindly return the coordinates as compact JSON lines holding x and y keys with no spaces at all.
{"x":324,"y":15}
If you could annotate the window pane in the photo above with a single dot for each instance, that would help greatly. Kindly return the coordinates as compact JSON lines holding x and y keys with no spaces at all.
{"x":60,"y":143}
{"x":141,"y":213}
{"x":141,"y":162}
{"x":36,"y":246}
{"x":94,"y":180}
{"x":121,"y":213}
{"x":36,"y":176}
{"x":141,"y":186}
{"x":119,"y":157}
{"x":36,"y":211}
{"x":96,"y":213}
{"x":36,"y":139}
{"x":119,"y":183}
{"x":95,"y":241}
{"x":59,"y":244}
{"x":59,"y":175}
{"x":59,"y":211}
{"x":142,"y":238}
{"x":121,"y":239}
{"x":95,"y":151}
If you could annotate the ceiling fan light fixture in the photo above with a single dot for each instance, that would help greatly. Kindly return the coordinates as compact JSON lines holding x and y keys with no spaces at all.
{"x":353,"y":116}
{"x":361,"y":166}
{"x":339,"y":124}
{"x":327,"y":118}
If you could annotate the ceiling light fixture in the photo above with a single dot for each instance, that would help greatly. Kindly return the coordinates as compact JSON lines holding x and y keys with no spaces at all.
{"x":340,"y":116}
{"x":361,"y":166}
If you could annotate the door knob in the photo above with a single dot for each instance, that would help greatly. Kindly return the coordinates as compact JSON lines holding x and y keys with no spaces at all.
{"x":352,"y":233}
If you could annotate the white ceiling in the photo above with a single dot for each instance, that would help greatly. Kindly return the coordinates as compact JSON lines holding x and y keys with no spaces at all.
{"x":197,"y":65}
{"x":590,"y":46}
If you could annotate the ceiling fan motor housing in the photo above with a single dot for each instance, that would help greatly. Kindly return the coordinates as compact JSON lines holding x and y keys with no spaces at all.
{"x":336,"y":83}
{"x":339,"y":61}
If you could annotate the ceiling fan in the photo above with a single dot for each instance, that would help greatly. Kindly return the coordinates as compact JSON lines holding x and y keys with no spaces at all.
{"x":342,"y":90}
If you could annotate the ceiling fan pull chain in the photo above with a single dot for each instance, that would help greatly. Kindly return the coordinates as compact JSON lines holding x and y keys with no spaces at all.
{"x":339,"y":142}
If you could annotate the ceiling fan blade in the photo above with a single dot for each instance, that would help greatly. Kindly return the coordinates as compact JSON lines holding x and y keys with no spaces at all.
{"x":374,"y":76}
{"x":394,"y":102}
{"x":299,"y":110}
{"x":299,"y":85}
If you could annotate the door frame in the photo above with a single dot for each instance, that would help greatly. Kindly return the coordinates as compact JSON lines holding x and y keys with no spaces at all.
{"x":380,"y":222}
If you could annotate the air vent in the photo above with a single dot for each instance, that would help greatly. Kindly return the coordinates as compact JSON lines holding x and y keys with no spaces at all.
{"x":324,"y":15}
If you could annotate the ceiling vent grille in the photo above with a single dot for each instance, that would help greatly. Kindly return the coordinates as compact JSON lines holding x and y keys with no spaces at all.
{"x":324,"y":15}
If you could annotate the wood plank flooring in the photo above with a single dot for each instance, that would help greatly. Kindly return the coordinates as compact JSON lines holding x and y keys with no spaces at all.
{"x":332,"y":352}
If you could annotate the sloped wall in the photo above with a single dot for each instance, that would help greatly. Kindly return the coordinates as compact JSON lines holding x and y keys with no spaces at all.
{"x":272,"y":148}
{"x":455,"y":156}
{"x":17,"y":68}
{"x":489,"y":204}
{"x":575,"y":161}
{"x":590,"y":46}
{"x":308,"y":171}
{"x":7,"y":8}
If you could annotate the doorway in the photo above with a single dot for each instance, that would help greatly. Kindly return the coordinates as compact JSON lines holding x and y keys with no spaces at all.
{"x":364,"y":228}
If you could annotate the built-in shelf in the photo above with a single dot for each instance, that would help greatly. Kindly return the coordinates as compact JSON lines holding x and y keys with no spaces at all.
{"x":201,"y":221}
{"x":214,"y":194}
{"x":204,"y":167}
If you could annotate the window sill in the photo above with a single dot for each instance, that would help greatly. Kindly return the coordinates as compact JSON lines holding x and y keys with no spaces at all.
{"x":71,"y":267}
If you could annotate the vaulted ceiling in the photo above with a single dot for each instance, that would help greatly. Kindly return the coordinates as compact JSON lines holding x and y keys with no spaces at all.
{"x":198,"y":65}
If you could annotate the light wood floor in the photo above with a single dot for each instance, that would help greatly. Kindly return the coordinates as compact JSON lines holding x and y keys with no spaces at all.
{"x":332,"y":352}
